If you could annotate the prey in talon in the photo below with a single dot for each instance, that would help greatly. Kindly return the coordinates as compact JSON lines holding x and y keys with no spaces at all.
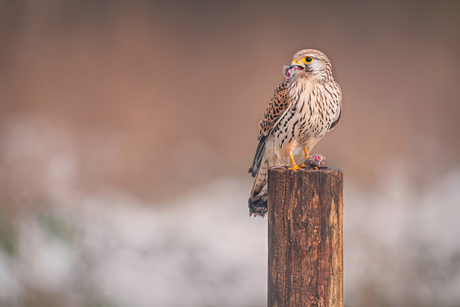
{"x":314,"y":161}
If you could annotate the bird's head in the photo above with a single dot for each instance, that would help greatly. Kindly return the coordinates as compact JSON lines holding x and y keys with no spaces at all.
{"x":308,"y":63}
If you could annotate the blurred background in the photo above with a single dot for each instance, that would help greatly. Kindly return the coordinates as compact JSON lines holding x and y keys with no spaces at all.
{"x":127,"y":128}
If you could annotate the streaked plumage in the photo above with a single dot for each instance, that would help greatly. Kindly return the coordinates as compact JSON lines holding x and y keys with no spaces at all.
{"x":303,"y":109}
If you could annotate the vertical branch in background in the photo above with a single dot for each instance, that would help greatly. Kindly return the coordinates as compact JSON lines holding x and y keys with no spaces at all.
{"x":305,"y":244}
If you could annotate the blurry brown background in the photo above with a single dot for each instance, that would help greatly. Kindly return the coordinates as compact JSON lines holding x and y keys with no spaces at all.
{"x":160,"y":99}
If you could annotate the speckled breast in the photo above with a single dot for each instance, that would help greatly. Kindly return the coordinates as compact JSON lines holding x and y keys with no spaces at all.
{"x":311,"y":115}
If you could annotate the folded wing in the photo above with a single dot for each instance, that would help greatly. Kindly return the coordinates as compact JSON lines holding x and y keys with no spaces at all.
{"x":277,"y":108}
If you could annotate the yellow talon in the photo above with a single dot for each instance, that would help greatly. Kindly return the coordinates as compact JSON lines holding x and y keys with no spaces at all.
{"x":306,"y":154}
{"x":294,"y":166}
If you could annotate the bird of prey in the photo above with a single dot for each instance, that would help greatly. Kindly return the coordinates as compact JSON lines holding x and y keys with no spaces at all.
{"x":304,"y":107}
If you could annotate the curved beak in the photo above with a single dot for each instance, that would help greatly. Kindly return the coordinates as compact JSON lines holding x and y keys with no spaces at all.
{"x":295,"y":62}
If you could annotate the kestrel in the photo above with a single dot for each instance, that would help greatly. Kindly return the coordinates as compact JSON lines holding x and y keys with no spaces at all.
{"x":303,"y":109}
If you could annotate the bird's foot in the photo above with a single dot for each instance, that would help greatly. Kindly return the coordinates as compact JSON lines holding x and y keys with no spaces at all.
{"x":294,"y":165}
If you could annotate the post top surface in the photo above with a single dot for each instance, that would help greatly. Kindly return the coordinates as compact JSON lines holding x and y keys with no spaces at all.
{"x":321,"y":169}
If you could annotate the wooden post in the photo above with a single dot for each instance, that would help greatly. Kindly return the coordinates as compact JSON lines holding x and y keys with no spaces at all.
{"x":305,"y":244}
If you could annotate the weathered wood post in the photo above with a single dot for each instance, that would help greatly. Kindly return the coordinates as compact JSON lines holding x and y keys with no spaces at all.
{"x":305,"y":244}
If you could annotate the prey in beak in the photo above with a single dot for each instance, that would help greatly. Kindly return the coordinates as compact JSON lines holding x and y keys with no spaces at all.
{"x":295,"y":68}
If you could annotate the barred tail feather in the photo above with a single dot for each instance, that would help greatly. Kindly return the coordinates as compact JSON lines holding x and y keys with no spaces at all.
{"x":259,"y":194}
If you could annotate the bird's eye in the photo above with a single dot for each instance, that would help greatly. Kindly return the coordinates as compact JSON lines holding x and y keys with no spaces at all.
{"x":307,"y":60}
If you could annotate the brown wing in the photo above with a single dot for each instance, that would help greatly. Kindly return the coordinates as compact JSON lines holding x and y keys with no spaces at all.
{"x":276,"y":108}
{"x":336,"y":122}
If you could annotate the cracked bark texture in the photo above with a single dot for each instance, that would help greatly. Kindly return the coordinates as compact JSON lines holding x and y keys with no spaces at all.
{"x":305,"y":237}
